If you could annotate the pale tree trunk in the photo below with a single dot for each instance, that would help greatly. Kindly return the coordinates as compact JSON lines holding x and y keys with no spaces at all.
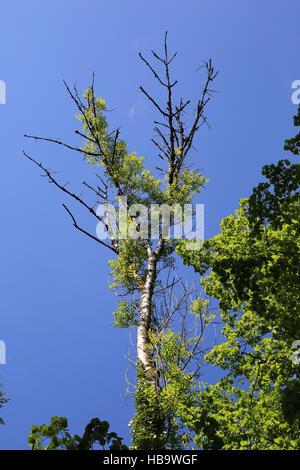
{"x":143,"y":351}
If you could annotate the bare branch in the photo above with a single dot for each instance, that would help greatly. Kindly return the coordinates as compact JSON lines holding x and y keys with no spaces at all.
{"x":152,"y":70}
{"x":63,"y":144}
{"x":74,"y":196}
{"x":154,"y":102}
{"x":87,"y":233}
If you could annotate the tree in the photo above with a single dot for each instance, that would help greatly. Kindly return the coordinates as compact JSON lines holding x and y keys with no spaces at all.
{"x":3,"y":400}
{"x":169,"y":339}
{"x":254,"y":274}
{"x":58,"y":437}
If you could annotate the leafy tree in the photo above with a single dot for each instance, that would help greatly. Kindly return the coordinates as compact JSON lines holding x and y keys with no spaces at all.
{"x":58,"y":437}
{"x":154,"y":300}
{"x":253,"y":269}
{"x":3,"y":400}
{"x":293,"y":144}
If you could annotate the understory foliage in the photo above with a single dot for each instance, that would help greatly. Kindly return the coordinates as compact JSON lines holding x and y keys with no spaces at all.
{"x":3,"y":400}
{"x":56,"y":436}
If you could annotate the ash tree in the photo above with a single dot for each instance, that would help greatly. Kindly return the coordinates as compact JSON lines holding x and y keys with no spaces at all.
{"x":168,"y":314}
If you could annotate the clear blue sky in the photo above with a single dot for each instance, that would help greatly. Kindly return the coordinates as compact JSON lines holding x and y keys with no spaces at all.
{"x":63,"y":356}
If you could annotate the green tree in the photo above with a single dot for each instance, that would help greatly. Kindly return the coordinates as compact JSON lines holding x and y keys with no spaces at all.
{"x":57,"y":436}
{"x":253,"y":269}
{"x":3,"y":400}
{"x":154,"y":301}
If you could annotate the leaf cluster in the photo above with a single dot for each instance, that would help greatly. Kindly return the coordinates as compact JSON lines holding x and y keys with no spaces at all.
{"x":58,"y":437}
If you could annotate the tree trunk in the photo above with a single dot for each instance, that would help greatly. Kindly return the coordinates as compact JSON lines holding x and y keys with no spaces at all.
{"x":143,"y":350}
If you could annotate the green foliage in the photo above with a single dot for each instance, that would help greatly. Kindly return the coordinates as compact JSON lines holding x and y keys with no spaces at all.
{"x":148,"y":427}
{"x":293,"y":144}
{"x":188,"y":183}
{"x":137,"y":181}
{"x":126,"y":315}
{"x":157,"y":423}
{"x":162,"y":416}
{"x":253,"y":269}
{"x":3,"y":400}
{"x":290,"y":403}
{"x":94,"y":124}
{"x":272,"y":201}
{"x":129,"y":266}
{"x":128,"y":169}
{"x":58,"y":437}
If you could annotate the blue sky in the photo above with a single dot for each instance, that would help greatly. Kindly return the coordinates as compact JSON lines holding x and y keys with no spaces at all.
{"x":63,"y":356}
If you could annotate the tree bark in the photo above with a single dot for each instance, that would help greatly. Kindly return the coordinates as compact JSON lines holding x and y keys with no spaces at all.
{"x":144,"y":354}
